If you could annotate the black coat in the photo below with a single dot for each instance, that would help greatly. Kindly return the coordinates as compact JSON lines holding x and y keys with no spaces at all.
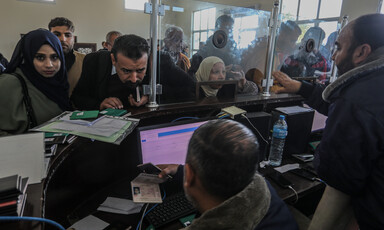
{"x":350,"y":157}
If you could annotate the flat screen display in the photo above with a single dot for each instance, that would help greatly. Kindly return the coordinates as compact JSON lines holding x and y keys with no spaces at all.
{"x":166,"y":143}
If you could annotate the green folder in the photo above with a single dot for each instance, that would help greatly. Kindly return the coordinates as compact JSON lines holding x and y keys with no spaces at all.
{"x":114,"y":112}
{"x":84,"y":114}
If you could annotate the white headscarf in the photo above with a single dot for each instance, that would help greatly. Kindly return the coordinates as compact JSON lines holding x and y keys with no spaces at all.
{"x":204,"y":71}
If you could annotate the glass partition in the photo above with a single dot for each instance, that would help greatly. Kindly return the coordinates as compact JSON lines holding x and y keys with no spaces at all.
{"x":311,"y":56}
{"x":191,"y":31}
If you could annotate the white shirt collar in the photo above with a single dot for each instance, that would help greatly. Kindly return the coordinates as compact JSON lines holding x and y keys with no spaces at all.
{"x":113,"y":70}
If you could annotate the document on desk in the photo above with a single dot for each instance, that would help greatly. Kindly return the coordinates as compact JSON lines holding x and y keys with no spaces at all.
{"x":104,"y":127}
{"x":89,"y":223}
{"x":23,"y":155}
{"x":120,"y":206}
{"x":107,"y":128}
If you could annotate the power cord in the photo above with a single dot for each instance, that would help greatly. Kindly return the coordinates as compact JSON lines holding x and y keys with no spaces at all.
{"x":142,"y":217}
{"x":27,"y":218}
{"x":243,"y":115}
{"x":297,"y":196}
{"x":222,"y":115}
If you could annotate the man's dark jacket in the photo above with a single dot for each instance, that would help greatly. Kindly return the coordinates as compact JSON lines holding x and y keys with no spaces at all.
{"x":350,"y":157}
{"x":91,"y":89}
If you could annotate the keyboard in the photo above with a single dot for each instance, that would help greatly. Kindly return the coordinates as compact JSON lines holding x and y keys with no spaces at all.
{"x":172,"y":208}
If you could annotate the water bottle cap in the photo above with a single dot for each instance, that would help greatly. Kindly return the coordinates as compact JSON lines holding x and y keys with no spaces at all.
{"x":282,"y":116}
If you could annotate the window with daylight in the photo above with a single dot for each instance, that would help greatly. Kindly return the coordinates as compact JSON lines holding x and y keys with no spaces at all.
{"x":244,"y":30}
{"x":307,"y":13}
{"x":135,"y":4}
{"x":380,"y":8}
{"x":203,"y":27}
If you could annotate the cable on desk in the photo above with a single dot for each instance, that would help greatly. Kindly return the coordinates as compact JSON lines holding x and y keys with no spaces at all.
{"x":145,"y":213}
{"x":223,"y":116}
{"x":142,"y":217}
{"x":320,"y":180}
{"x":180,"y":118}
{"x":243,"y":115}
{"x":297,"y":196}
{"x":27,"y":218}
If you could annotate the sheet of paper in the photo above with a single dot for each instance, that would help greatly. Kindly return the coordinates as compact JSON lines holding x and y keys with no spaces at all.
{"x":23,"y":155}
{"x":287,"y":167}
{"x":89,"y":223}
{"x":105,"y":127}
{"x":293,"y":109}
{"x":119,"y":205}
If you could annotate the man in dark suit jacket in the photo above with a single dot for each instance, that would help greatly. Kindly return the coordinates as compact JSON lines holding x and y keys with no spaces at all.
{"x":110,"y":79}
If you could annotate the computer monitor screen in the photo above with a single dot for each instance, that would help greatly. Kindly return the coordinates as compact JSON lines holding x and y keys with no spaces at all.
{"x":166,"y":143}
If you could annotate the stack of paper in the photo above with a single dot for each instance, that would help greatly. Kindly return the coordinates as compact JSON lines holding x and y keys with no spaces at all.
{"x":12,"y":195}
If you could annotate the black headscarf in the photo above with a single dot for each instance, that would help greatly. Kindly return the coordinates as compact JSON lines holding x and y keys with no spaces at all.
{"x":56,"y":87}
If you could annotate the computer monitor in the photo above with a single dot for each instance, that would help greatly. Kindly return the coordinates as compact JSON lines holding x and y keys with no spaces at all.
{"x":166,"y":143}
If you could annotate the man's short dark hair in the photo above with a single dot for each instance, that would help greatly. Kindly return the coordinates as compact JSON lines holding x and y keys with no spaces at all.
{"x":110,"y":34}
{"x":368,"y":29}
{"x":224,"y":155}
{"x":131,"y":46}
{"x":61,"y":21}
{"x":224,"y":19}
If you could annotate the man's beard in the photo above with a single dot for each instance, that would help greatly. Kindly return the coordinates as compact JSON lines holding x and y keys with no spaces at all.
{"x":190,"y":198}
{"x":345,"y":65}
{"x":66,"y":48}
{"x":132,"y":85}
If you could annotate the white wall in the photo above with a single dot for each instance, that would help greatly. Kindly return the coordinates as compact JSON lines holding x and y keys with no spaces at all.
{"x":94,"y":18}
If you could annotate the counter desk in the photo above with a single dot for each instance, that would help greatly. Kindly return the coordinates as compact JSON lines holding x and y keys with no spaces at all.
{"x":84,"y":170}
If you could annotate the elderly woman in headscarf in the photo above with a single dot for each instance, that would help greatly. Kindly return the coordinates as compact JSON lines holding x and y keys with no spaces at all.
{"x":34,"y":88}
{"x":213,"y":69}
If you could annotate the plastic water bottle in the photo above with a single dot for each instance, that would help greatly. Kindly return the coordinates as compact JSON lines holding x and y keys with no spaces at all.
{"x":278,"y":139}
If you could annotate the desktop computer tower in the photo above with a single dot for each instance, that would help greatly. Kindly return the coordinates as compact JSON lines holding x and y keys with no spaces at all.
{"x":299,"y":120}
{"x":261,"y":121}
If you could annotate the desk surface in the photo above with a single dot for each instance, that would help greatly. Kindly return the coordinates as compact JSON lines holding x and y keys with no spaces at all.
{"x":84,"y":170}
{"x":304,"y":188}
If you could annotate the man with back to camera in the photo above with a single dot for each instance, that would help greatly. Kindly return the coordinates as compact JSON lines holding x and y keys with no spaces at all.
{"x":63,"y":28}
{"x":109,"y":79}
{"x":221,"y":181}
{"x":350,"y":158}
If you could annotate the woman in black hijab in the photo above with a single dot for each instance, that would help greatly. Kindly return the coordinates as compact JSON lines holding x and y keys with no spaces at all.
{"x":34,"y":88}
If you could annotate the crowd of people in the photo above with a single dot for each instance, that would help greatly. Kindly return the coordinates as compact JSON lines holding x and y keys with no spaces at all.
{"x":46,"y":76}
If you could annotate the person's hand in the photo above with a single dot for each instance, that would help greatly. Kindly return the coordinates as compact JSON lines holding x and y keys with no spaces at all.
{"x":111,"y":102}
{"x":288,"y":85}
{"x":167,"y":169}
{"x":236,"y":73}
{"x":240,"y":76}
{"x":133,"y":102}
